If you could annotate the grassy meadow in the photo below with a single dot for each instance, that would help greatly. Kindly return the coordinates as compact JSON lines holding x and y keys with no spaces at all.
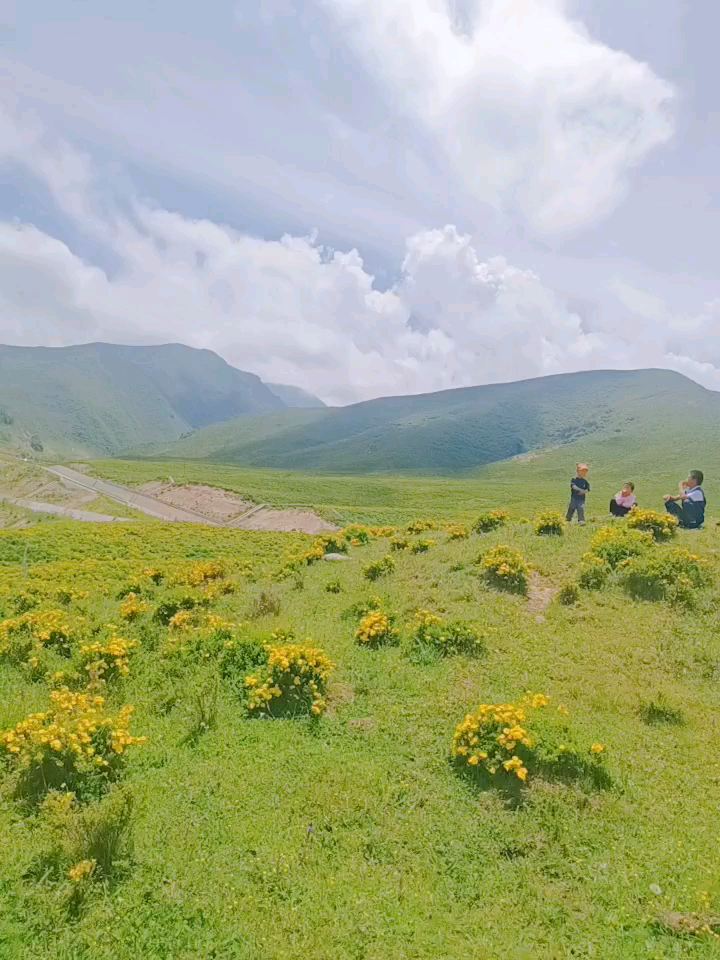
{"x":345,"y":829}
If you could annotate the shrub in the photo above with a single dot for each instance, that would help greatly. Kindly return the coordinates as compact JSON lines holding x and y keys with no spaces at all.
{"x":379,"y":568}
{"x":505,"y":569}
{"x":399,"y":543}
{"x":421,"y":546}
{"x":333,"y":586}
{"x":495,"y":741}
{"x":673,"y":575}
{"x":616,"y":544}
{"x":331,"y":543}
{"x":662,"y":526}
{"x":74,"y":745}
{"x":132,"y":607}
{"x":357,"y":535}
{"x":167,"y":609}
{"x":420,"y":526}
{"x":376,"y":629}
{"x":202,"y":573}
{"x":594,"y":572}
{"x":107,"y":659}
{"x":447,"y":638}
{"x":569,"y":594}
{"x":358,"y":610}
{"x":23,"y":638}
{"x":239,"y":655}
{"x":549,"y":524}
{"x":294,"y":682}
{"x":457,"y":531}
{"x":491,"y":520}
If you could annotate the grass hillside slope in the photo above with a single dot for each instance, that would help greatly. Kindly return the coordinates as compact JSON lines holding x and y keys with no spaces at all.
{"x":454,"y":744}
{"x":458,"y":430}
{"x":100,"y":398}
{"x":295,"y":396}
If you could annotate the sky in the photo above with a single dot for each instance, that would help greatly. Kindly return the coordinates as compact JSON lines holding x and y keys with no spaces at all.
{"x":366,"y":197}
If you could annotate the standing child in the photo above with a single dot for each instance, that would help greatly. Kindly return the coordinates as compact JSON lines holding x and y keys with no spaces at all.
{"x":624,"y":500}
{"x":579,"y":489}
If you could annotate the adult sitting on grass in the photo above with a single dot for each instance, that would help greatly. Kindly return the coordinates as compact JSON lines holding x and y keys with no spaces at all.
{"x":689,"y":505}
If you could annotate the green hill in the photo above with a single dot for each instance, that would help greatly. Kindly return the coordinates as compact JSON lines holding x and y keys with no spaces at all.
{"x":99,"y":398}
{"x":460,"y":430}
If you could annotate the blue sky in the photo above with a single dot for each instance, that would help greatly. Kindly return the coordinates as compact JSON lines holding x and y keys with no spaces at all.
{"x":364,"y":197}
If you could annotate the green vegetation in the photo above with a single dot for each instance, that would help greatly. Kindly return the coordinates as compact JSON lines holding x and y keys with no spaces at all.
{"x":101,"y":398}
{"x":458,"y":430}
{"x":321,"y":765}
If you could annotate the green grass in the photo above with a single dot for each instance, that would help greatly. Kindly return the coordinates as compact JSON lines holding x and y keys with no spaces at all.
{"x":353,"y":837}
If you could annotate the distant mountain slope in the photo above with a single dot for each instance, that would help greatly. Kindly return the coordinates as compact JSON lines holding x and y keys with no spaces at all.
{"x":101,"y":398}
{"x":295,"y":397}
{"x":458,"y":430}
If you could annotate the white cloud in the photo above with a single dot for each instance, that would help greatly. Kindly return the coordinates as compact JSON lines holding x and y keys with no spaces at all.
{"x":294,"y":311}
{"x":531,"y":112}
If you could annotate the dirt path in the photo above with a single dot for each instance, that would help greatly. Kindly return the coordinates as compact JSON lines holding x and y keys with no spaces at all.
{"x":541,"y":594}
{"x":132,"y":498}
{"x":56,"y":509}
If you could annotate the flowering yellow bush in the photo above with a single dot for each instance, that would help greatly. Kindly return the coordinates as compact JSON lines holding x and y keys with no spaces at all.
{"x":495,"y":739}
{"x":549,"y":524}
{"x":132,"y":607}
{"x":618,"y":543}
{"x":399,"y":543}
{"x":72,"y":742}
{"x":420,"y":526}
{"x":357,"y":535}
{"x":294,"y":682}
{"x":505,"y":569}
{"x":457,"y":531}
{"x":672,"y":575}
{"x":107,"y":659}
{"x":594,"y":571}
{"x":83,"y":870}
{"x":490,"y":521}
{"x":379,"y":568}
{"x":201,"y":573}
{"x":662,"y":526}
{"x":182,"y":620}
{"x":23,"y":638}
{"x":375,"y":628}
{"x":447,"y":638}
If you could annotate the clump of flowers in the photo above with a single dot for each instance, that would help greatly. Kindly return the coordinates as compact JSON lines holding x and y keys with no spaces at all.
{"x":357,"y":535}
{"x":662,"y":526}
{"x":618,"y":543}
{"x":496,"y":740}
{"x":421,"y":546}
{"x":490,"y":520}
{"x":594,"y":572}
{"x":132,"y":607}
{"x":294,"y":682}
{"x":505,"y":568}
{"x":23,"y":638}
{"x":81,"y":871}
{"x":549,"y":524}
{"x":420,"y":526}
{"x":74,"y":742}
{"x":457,"y":531}
{"x":399,"y":543}
{"x":182,"y":620}
{"x":673,"y":575}
{"x":447,"y":638}
{"x":153,"y":574}
{"x":202,"y":573}
{"x":376,"y":628}
{"x":107,"y":659}
{"x":379,"y":568}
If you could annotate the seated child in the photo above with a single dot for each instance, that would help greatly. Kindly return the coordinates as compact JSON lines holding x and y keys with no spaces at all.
{"x":689,"y":505}
{"x":624,"y":500}
{"x":579,"y":488}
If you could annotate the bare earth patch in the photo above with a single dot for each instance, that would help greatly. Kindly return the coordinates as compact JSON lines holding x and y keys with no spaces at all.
{"x":211,"y":502}
{"x":228,"y":508}
{"x":541,"y":594}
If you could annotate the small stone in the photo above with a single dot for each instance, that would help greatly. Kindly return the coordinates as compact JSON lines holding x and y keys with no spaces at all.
{"x":656,"y":889}
{"x":335,"y":556}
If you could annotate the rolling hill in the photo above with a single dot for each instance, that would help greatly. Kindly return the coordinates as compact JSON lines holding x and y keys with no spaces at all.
{"x":459,"y":430}
{"x":99,"y":398}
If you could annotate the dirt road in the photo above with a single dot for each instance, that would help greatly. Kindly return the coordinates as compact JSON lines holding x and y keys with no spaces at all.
{"x":139,"y":501}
